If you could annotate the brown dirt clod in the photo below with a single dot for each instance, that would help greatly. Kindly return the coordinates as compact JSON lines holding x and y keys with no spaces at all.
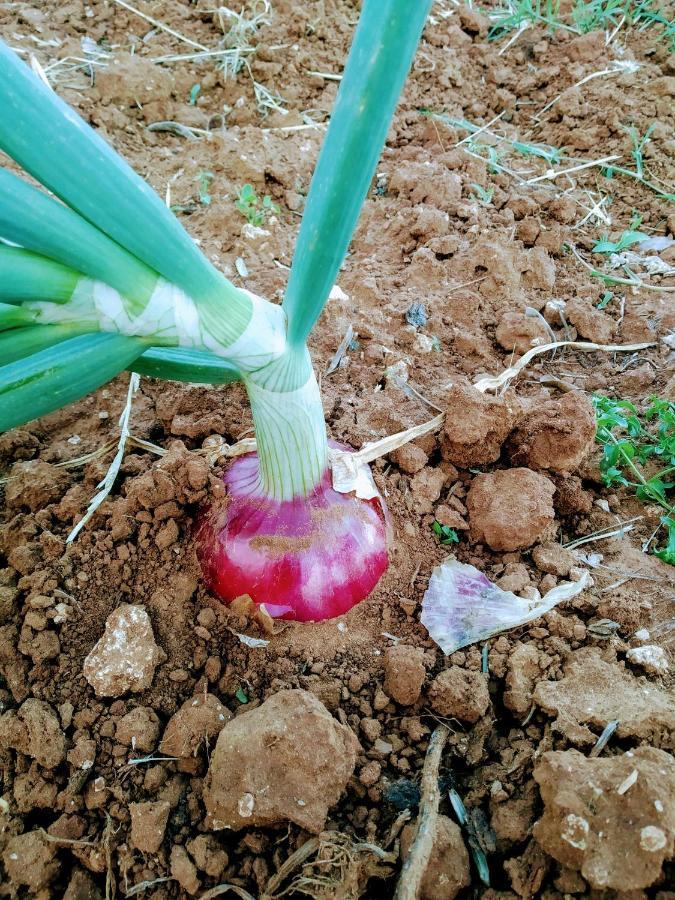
{"x":557,"y":434}
{"x":287,"y":760}
{"x":448,"y":869}
{"x":510,"y":509}
{"x":404,"y":673}
{"x":126,"y":656}
{"x":460,"y":694}
{"x":476,"y":425}
{"x":611,"y":819}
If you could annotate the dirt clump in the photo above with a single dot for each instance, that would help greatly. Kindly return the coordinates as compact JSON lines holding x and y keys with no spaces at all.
{"x":184,"y":870}
{"x":126,"y":656}
{"x":591,"y":324}
{"x":404,"y":674}
{"x":510,"y":509}
{"x":410,"y":458}
{"x":553,"y":559}
{"x":520,"y":333}
{"x":593,"y":692}
{"x":34,"y":730}
{"x":652,"y":658}
{"x":209,"y":857}
{"x":459,"y":694}
{"x":34,"y":484}
{"x":557,"y":434}
{"x":476,"y":425}
{"x":448,"y":869}
{"x":199,"y":719}
{"x":612,"y":819}
{"x":148,"y":824}
{"x":138,"y":729}
{"x":133,"y":82}
{"x":30,"y":860}
{"x":521,"y":676}
{"x":288,"y":760}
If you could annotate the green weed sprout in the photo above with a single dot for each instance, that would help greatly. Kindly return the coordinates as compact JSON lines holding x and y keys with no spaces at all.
{"x":255,"y":210}
{"x":629,"y":443}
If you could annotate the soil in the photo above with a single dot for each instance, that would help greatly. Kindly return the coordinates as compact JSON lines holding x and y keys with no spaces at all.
{"x":90,"y":804}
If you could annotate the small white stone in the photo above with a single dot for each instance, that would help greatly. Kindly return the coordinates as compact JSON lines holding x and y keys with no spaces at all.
{"x":575,"y":831}
{"x":651,"y":658}
{"x":652,"y":838}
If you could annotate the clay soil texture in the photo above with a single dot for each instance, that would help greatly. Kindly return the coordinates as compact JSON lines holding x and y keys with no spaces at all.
{"x":111,"y":793}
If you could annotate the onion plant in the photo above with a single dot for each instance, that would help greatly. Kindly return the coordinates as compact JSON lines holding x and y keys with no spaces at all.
{"x":98,"y":276}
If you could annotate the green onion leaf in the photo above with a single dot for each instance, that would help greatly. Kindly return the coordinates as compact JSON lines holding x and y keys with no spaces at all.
{"x":184,"y":364}
{"x":39,"y":384}
{"x":28,"y":276}
{"x":378,"y":62}
{"x":49,"y":140}
{"x":14,"y":316}
{"x":37,"y":222}
{"x":22,"y":342}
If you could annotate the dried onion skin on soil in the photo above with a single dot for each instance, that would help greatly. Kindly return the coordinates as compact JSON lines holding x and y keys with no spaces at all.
{"x":308,"y":559}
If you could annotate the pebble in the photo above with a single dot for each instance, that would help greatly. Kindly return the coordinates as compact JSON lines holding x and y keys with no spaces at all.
{"x":126,"y":656}
{"x":404,"y":674}
{"x":650,"y":657}
{"x":199,"y":719}
{"x":148,"y":824}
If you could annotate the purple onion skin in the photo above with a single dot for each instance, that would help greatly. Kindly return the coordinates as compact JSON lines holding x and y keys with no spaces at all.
{"x":306,"y":559}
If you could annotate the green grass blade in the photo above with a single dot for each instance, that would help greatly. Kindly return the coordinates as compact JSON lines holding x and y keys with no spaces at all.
{"x":49,"y":140}
{"x":39,"y":384}
{"x":22,"y":342}
{"x":378,"y":62}
{"x":28,"y":276}
{"x":183,"y":364}
{"x":37,"y":222}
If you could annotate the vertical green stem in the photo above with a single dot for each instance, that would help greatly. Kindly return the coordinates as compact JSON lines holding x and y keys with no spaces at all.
{"x":378,"y":62}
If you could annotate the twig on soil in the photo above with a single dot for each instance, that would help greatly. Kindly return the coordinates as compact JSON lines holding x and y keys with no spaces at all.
{"x":603,"y":533}
{"x":144,"y":885}
{"x":618,"y":67}
{"x":327,"y":76}
{"x":205,"y":54}
{"x":107,"y":483}
{"x":53,"y":839}
{"x":157,"y":24}
{"x":614,"y":279}
{"x":493,"y":383}
{"x":416,"y":862}
{"x":176,"y":128}
{"x":409,"y":390}
{"x":602,"y":741}
{"x":552,"y":174}
{"x":289,"y":865}
{"x":341,"y":351}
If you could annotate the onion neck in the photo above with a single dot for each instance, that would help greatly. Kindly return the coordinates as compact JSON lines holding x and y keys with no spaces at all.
{"x":289,"y":426}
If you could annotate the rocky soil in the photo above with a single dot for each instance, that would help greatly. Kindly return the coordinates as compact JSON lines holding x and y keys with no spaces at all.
{"x":155,"y":744}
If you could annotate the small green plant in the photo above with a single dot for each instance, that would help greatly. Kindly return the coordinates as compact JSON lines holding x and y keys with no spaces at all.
{"x":482,"y":195}
{"x":445,"y":534}
{"x":255,"y":210}
{"x":632,"y":442}
{"x":626,"y":240}
{"x":204,"y":179}
{"x":194,"y":94}
{"x":610,"y":14}
{"x":513,"y":14}
{"x":605,"y":300}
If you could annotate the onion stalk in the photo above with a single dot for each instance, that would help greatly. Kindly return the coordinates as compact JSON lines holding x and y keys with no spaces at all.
{"x":107,"y":279}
